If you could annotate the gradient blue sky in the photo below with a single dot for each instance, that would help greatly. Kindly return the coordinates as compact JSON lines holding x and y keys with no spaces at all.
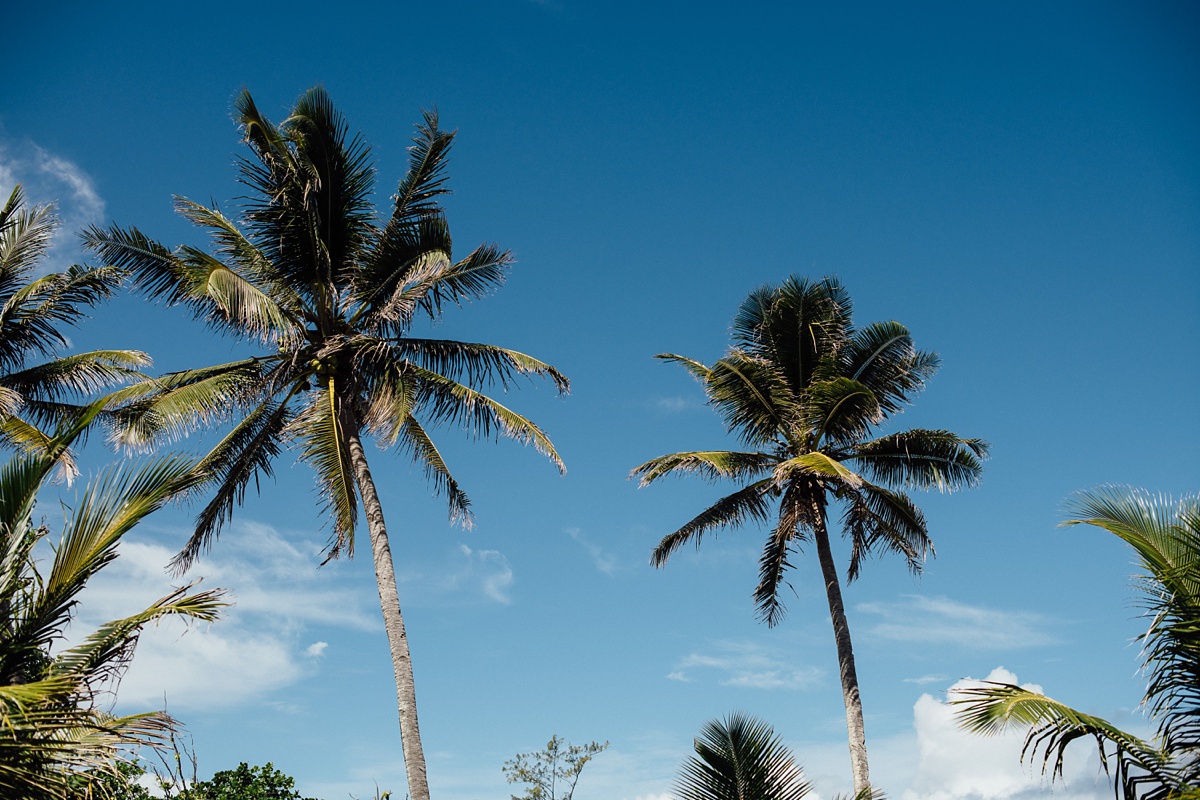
{"x":1018,"y":183}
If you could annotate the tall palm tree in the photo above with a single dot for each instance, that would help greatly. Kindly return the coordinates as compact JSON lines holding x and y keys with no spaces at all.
{"x":806,"y":389}
{"x":739,"y":758}
{"x":1165,"y":535}
{"x":38,"y":387}
{"x":53,"y":735}
{"x":333,"y":292}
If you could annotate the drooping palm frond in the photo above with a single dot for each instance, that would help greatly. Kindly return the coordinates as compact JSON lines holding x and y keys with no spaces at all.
{"x":471,"y":362}
{"x":749,"y":503}
{"x":320,"y":430}
{"x":1165,"y":535}
{"x":876,"y":517}
{"x":795,"y":516}
{"x":740,"y":758}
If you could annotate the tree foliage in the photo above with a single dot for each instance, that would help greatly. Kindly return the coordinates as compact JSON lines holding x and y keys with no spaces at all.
{"x":551,"y":774}
{"x":805,"y":390}
{"x":332,"y":292}
{"x":56,"y":738}
{"x":738,"y":758}
{"x":39,"y":387}
{"x":1165,"y":536}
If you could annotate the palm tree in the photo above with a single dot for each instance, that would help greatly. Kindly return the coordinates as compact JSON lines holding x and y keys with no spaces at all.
{"x":334,"y":293}
{"x":740,"y":758}
{"x":33,"y":310}
{"x":53,"y":735}
{"x":806,"y":389}
{"x":1165,"y":535}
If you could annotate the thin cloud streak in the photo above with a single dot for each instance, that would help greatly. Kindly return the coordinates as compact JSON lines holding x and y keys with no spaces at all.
{"x":939,"y":620}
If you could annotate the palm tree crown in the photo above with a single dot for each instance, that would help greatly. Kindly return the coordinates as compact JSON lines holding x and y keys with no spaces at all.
{"x":805,"y":389}
{"x":332,"y":292}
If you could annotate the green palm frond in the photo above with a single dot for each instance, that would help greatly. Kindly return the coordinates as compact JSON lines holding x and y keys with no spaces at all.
{"x":25,"y":237}
{"x":247,"y":259}
{"x":710,"y":464}
{"x":923,"y":459}
{"x":882,"y":357}
{"x":243,"y":455}
{"x":697,"y":370}
{"x":77,"y":374}
{"x":168,"y":407}
{"x":795,"y":514}
{"x":476,"y":364}
{"x":448,"y":402}
{"x":746,"y":504}
{"x":425,"y":453}
{"x":815,"y":463}
{"x":1165,"y":535}
{"x":319,"y":430}
{"x":52,"y":736}
{"x":839,"y":411}
{"x":740,"y":758}
{"x":752,"y":397}
{"x":994,"y":707}
{"x":876,"y":516}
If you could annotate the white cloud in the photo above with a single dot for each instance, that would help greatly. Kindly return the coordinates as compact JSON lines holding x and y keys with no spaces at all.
{"x":955,"y":765}
{"x":939,"y":620}
{"x":748,"y":665}
{"x":49,"y":178}
{"x":316,"y":649}
{"x":278,"y":596}
{"x":924,"y":679}
{"x":603,"y":560}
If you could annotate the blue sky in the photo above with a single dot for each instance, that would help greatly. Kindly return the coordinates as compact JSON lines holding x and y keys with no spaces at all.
{"x":1019,"y":184}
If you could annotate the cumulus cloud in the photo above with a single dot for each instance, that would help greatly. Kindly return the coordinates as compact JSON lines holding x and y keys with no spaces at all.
{"x":278,"y":594}
{"x":603,"y":560}
{"x":955,"y":765}
{"x":748,"y":665}
{"x":50,"y":178}
{"x":939,"y":620}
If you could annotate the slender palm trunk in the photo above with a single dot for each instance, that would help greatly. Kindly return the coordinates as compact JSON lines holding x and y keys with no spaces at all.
{"x":393,"y":621}
{"x":845,"y":652}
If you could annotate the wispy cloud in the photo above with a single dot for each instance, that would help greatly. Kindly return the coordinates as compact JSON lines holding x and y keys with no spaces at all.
{"x":603,"y":560}
{"x":50,"y":178}
{"x":927,"y":679}
{"x":748,"y":665}
{"x":677,"y":404}
{"x":462,"y":576}
{"x":939,"y":620}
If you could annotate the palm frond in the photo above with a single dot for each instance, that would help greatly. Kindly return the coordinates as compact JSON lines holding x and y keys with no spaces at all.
{"x":77,"y":374}
{"x":740,"y":758}
{"x":816,"y":463}
{"x":878,"y":516}
{"x":25,"y":237}
{"x":922,"y":459}
{"x":475,"y":363}
{"x":425,"y":453}
{"x":243,"y":455}
{"x":752,"y":397}
{"x":882,"y":357}
{"x":796,"y":512}
{"x":445,"y":401}
{"x":748,"y":503}
{"x":710,"y":464}
{"x":993,"y":707}
{"x":319,"y":430}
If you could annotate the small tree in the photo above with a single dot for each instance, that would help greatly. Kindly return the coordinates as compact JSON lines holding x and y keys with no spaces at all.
{"x":551,"y":774}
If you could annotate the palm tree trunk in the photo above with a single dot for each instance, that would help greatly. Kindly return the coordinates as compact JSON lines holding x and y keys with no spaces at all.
{"x":393,"y":621}
{"x":845,"y":652}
